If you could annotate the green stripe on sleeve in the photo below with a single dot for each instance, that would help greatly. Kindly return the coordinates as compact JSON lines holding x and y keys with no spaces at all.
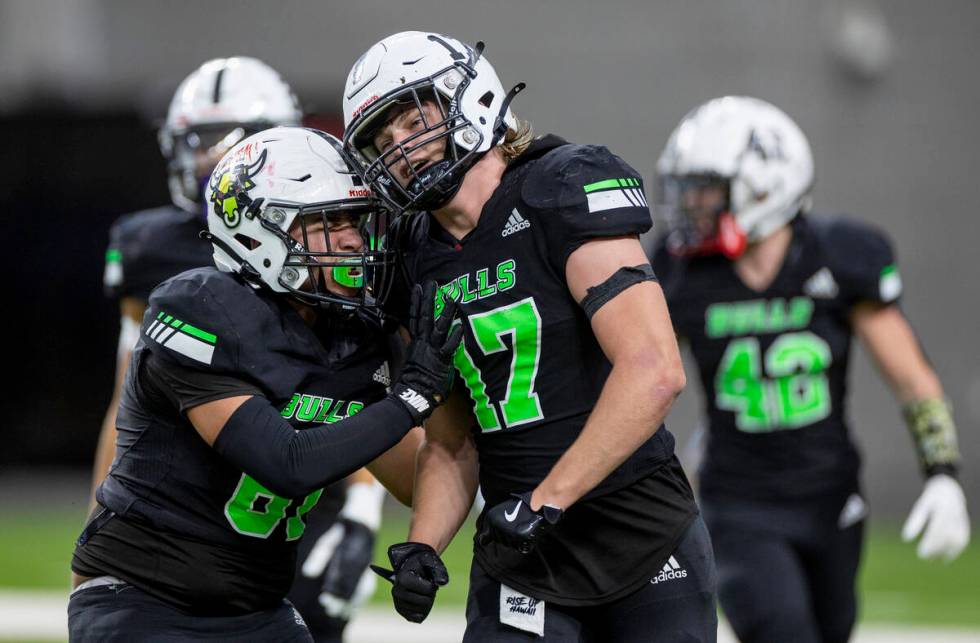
{"x":113,"y":255}
{"x":601,"y":185}
{"x":200,"y":334}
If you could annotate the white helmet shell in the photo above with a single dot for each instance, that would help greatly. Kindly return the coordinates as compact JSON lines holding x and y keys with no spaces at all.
{"x":223,"y":92}
{"x":413,"y":57}
{"x":755,"y":146}
{"x":259,"y":188}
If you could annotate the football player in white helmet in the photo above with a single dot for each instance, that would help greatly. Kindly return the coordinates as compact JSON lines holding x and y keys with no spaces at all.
{"x":216,"y":106}
{"x":568,"y":367}
{"x":253,"y":386}
{"x":768,"y":297}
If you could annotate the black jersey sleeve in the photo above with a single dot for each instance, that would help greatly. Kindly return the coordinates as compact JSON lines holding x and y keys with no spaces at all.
{"x":113,"y":275}
{"x":186,"y":388}
{"x":863,"y":262}
{"x":583,"y":192}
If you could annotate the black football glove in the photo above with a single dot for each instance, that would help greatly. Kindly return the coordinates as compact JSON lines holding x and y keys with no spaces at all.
{"x":514,"y":524}
{"x":417,"y":575}
{"x":427,"y":376}
{"x":344,"y":586}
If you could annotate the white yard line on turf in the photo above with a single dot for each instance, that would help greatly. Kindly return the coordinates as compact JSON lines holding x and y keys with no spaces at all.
{"x":40,"y":614}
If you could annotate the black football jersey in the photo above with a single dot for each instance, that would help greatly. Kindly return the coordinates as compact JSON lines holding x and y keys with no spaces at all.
{"x":529,"y":359}
{"x":167,"y":478}
{"x":773,"y":363}
{"x":150,"y":246}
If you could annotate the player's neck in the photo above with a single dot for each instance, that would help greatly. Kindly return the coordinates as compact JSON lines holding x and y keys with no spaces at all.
{"x":461,"y":215}
{"x":307,"y":313}
{"x":760,"y":264}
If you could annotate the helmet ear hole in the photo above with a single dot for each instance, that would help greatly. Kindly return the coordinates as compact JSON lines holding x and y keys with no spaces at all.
{"x":249,"y":242}
{"x":487,"y":99}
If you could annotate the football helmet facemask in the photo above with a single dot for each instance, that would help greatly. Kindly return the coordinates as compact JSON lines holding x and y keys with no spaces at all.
{"x":273,"y":202}
{"x":216,"y":106}
{"x":468,"y":113}
{"x":733,"y":171}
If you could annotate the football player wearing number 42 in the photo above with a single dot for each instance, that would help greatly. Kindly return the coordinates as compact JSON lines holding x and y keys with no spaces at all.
{"x":568,"y":367}
{"x":250,"y":389}
{"x":768,"y":297}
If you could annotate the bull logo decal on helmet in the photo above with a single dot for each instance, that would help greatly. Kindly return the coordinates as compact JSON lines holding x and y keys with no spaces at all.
{"x":229,"y":189}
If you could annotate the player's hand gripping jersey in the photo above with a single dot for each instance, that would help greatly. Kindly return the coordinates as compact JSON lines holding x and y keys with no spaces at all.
{"x":208,"y":335}
{"x":773,"y":363}
{"x":534,"y":370}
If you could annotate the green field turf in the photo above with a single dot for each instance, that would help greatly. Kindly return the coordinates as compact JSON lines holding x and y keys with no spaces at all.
{"x":896,"y":587}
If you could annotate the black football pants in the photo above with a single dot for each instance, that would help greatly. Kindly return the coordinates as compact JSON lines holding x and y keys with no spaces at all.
{"x":676,"y":606}
{"x":786,"y":571}
{"x":122,"y":613}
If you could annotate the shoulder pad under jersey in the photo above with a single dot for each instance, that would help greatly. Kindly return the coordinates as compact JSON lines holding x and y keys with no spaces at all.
{"x":582,"y":192}
{"x":860,"y":258}
{"x":150,"y":246}
{"x":208,"y":320}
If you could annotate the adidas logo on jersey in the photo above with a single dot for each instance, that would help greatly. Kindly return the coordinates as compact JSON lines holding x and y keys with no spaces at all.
{"x":671,"y":571}
{"x":515,"y":223}
{"x":821,"y":285}
{"x":382,"y":375}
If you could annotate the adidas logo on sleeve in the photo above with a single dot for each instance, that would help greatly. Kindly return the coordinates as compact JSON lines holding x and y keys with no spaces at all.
{"x":671,"y":571}
{"x":515,"y":223}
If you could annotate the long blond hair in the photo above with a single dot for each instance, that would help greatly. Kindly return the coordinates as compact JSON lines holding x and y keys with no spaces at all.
{"x":516,"y":140}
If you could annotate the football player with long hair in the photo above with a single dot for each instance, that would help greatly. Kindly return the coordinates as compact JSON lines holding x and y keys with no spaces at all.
{"x":769,"y":298}
{"x":252,"y":386}
{"x":568,"y":366}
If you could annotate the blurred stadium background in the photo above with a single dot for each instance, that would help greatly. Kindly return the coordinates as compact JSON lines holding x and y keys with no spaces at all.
{"x":882,"y":89}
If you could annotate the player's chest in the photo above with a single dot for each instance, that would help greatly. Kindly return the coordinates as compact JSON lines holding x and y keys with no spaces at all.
{"x":311,"y":393}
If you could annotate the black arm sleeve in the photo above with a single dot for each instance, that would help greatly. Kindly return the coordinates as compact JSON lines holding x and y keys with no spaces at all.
{"x":293,"y":463}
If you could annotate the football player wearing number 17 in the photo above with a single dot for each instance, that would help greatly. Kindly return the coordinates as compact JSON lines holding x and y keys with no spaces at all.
{"x":568,"y":367}
{"x":250,"y":389}
{"x":769,"y":297}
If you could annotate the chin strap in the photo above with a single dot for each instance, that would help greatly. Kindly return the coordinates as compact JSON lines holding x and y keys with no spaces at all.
{"x":500,"y":123}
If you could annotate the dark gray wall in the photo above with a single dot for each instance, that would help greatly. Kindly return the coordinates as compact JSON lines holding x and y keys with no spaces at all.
{"x":901,"y":151}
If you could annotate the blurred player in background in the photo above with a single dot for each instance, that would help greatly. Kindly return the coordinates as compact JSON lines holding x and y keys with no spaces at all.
{"x":251,"y":387}
{"x":215,"y":107}
{"x":768,"y":298}
{"x":590,"y":532}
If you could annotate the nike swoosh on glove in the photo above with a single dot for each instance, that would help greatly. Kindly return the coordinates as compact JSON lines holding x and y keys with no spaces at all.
{"x":940,"y":516}
{"x":514,"y":524}
{"x":417,"y":574}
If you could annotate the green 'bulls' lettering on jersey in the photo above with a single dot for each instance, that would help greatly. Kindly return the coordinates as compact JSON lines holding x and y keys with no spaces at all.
{"x":757,"y":316}
{"x":479,"y":285}
{"x":255,"y":511}
{"x":320,"y":410}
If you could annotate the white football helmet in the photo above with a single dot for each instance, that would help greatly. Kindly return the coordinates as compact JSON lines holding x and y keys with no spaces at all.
{"x":292,"y":175}
{"x":218,"y":104}
{"x":751,"y":149}
{"x":410,"y":68}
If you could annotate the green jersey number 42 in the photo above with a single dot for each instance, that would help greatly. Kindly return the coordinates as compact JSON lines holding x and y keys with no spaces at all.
{"x":785,"y":389}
